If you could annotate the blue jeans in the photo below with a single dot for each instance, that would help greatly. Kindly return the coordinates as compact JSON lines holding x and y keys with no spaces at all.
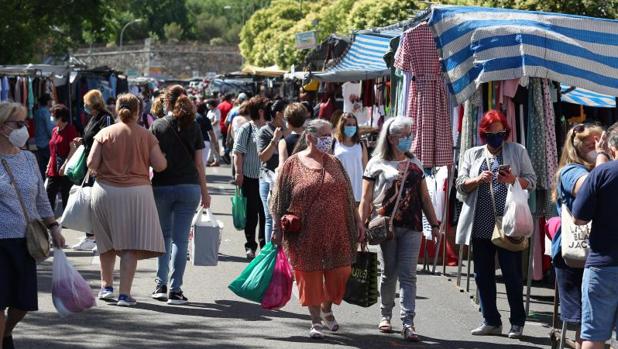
{"x":265,"y":196}
{"x":484,"y":254}
{"x":399,"y":258}
{"x":599,"y":303}
{"x":176,"y":205}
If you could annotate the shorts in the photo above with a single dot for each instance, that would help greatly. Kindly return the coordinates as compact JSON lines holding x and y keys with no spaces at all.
{"x":570,"y":291}
{"x":599,"y":303}
{"x":18,"y":281}
{"x":317,"y":287}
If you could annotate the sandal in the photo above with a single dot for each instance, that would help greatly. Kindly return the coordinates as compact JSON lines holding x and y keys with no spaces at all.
{"x":316,"y":331}
{"x":385,"y":326}
{"x":331,"y":325}
{"x":409,"y":334}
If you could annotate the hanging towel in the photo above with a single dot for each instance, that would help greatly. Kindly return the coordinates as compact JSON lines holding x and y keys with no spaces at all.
{"x":30,"y":98}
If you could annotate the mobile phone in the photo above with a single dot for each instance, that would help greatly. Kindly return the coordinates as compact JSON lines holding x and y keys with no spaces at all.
{"x":504,"y":168}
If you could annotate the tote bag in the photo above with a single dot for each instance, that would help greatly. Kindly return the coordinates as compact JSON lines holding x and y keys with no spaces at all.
{"x":574,"y":239}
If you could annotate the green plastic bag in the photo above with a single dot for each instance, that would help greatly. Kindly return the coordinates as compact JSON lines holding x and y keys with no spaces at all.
{"x":239,"y":210}
{"x":76,"y":167}
{"x":253,"y":282}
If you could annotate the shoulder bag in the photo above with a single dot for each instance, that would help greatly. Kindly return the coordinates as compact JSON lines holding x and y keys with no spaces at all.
{"x":381,"y":228}
{"x":498,"y":237}
{"x":293,"y":223}
{"x":37,"y":238}
{"x":182,"y":145}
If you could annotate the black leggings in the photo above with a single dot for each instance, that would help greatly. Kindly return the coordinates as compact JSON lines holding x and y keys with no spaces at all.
{"x":55,"y":185}
{"x":255,"y":210}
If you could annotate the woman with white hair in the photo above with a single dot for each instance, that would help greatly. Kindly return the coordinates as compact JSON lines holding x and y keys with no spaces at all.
{"x":391,"y":170}
{"x":314,"y":189}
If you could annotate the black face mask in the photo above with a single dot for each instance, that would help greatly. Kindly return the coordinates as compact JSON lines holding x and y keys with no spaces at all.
{"x":495,"y":140}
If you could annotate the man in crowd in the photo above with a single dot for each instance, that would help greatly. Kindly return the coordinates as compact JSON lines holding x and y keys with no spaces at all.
{"x":43,"y":126}
{"x":224,"y":107}
{"x":596,"y":202}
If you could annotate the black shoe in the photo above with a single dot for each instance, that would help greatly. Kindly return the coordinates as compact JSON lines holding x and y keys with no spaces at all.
{"x":177,"y":298}
{"x":160,"y":293}
{"x":7,"y":342}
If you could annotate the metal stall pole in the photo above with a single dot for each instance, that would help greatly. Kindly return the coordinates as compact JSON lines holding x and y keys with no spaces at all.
{"x":530,"y":260}
{"x":443,"y":227}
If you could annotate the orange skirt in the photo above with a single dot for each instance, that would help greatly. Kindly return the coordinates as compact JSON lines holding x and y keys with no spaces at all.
{"x":317,"y":287}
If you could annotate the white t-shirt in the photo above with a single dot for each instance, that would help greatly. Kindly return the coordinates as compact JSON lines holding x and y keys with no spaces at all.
{"x":238,"y":122}
{"x":352,"y":160}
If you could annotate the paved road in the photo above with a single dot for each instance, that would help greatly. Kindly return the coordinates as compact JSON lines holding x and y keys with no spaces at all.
{"x":216,"y":318}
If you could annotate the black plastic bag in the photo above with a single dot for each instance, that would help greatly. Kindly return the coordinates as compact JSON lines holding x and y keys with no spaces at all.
{"x":362,"y":287}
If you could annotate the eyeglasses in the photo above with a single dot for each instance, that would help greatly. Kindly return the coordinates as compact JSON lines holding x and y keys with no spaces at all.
{"x":19,"y":124}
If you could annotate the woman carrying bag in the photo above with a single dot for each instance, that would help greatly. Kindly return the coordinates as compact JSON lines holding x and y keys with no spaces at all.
{"x":394,"y":187}
{"x":482,"y":186}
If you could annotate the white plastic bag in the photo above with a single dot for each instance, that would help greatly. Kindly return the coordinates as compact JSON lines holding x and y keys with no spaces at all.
{"x":517,"y":221}
{"x":77,"y":213}
{"x":71,"y":294}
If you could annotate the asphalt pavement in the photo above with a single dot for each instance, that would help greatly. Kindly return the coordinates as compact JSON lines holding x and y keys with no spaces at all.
{"x":216,"y":318}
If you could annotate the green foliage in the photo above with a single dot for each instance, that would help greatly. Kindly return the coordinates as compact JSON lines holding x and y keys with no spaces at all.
{"x":173,"y":32}
{"x":217,"y":41}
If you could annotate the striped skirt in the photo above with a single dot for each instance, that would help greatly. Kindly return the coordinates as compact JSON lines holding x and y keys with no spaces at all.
{"x":126,"y":218}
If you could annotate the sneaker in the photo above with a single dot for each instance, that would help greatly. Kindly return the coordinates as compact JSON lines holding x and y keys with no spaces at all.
{"x":87,"y":244}
{"x":409,"y":334}
{"x":250,"y":254}
{"x":160,"y":293}
{"x":516,"y":332}
{"x":487,"y":330}
{"x":316,"y":331}
{"x":177,"y":298}
{"x":106,"y":293}
{"x":7,"y":342}
{"x":126,"y":301}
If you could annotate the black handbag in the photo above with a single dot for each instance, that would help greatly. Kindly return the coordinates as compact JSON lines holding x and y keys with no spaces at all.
{"x":362,"y":286}
{"x":380,"y":228}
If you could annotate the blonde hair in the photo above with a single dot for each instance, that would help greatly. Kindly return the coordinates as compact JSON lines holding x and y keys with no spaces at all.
{"x":571,"y":151}
{"x":157,"y":108}
{"x":8,"y":109}
{"x":94,"y":99}
{"x":127,"y":106}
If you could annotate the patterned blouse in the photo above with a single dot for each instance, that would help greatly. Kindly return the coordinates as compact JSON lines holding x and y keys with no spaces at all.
{"x":30,"y":184}
{"x":328,"y":236}
{"x":484,"y":219}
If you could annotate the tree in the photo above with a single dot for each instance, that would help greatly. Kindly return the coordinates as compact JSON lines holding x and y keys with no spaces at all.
{"x":173,"y":32}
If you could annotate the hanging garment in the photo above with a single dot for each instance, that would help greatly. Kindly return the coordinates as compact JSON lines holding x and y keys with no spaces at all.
{"x":427,"y":101}
{"x":550,"y":141}
{"x":437,"y":185}
{"x":4,"y":92}
{"x":468,"y":124}
{"x":507,"y":91}
{"x":537,"y":132}
{"x":351,"y":92}
{"x":30,"y":99}
{"x":18,"y":90}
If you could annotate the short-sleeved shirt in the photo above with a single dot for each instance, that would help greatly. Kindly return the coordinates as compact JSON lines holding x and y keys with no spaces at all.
{"x":245,"y":142}
{"x":387,"y":177}
{"x":596,"y":201}
{"x":569,"y":175}
{"x":125,"y":155}
{"x":179,"y":145}
{"x":224,"y":107}
{"x":205,"y":126}
{"x":484,"y":216}
{"x":265,"y":136}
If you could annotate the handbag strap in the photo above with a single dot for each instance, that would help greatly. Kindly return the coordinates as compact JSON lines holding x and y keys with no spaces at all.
{"x":182,"y":145}
{"x":491,"y":185}
{"x":7,"y":168}
{"x":403,"y":182}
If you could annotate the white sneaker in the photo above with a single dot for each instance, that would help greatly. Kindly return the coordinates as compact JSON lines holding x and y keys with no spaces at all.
{"x":487,"y":330}
{"x":516,"y":332}
{"x":316,"y":331}
{"x":87,"y":244}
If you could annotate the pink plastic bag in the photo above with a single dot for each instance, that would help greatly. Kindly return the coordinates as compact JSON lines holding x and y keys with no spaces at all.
{"x":279,"y":291}
{"x":70,"y":292}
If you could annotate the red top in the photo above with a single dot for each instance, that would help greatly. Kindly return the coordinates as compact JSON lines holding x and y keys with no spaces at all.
{"x":60,"y":145}
{"x":224,"y":107}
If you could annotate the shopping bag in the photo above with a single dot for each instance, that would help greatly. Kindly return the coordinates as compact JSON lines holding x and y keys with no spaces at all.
{"x":76,"y":166}
{"x":205,"y":238}
{"x":77,"y":213}
{"x":253,"y":282}
{"x":239,"y":208}
{"x":574,"y":239}
{"x":362,"y":287}
{"x":279,"y":291}
{"x":517,"y":220}
{"x":70,"y":292}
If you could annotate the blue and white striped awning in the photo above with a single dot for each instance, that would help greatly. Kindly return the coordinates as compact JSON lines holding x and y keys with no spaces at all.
{"x":478,"y":45}
{"x":586,"y":97}
{"x":363,"y":60}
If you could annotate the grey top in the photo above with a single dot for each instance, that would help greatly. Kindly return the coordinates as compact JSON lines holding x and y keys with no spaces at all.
{"x":30,"y":184}
{"x":513,"y":154}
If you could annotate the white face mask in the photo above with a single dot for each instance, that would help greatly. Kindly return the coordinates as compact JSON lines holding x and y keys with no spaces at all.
{"x":591,"y":156}
{"x":19,"y":136}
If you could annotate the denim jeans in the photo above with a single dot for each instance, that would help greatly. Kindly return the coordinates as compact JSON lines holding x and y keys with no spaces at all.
{"x":176,"y":205}
{"x":484,"y":254}
{"x":599,"y":303}
{"x":399,"y":258}
{"x":265,"y":196}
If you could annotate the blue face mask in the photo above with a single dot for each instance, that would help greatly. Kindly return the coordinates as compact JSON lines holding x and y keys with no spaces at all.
{"x":495,"y":140}
{"x":349,"y":131}
{"x":405,"y":143}
{"x":88,"y":110}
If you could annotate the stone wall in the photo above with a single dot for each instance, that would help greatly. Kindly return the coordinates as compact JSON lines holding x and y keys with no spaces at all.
{"x":178,"y":61}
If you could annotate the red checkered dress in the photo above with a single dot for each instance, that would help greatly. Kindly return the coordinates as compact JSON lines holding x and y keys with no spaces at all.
{"x":427,"y":99}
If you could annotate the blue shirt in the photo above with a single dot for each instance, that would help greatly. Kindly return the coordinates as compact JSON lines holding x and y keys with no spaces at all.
{"x":43,"y":126}
{"x":596,"y":201}
{"x":569,"y":175}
